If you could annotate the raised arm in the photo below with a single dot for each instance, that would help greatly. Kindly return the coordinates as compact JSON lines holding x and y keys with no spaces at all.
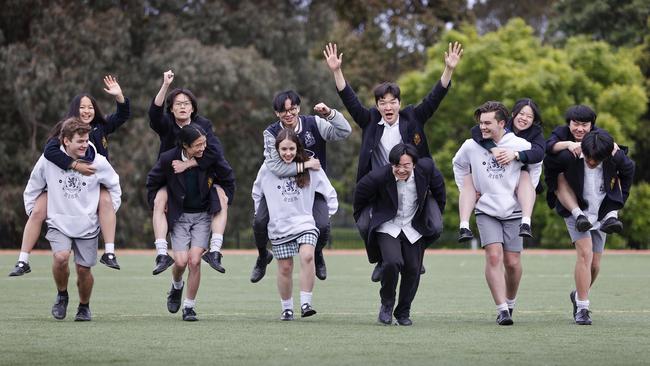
{"x":168,"y":77}
{"x":123,"y":109}
{"x":334,"y":62}
{"x":452,"y":57}
{"x":332,"y":126}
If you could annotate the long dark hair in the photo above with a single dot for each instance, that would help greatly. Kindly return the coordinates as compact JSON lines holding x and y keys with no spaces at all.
{"x":73,"y":111}
{"x":520,"y":104}
{"x":302,"y":179}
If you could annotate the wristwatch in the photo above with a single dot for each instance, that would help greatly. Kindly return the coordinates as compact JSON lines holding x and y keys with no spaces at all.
{"x":517,"y":156}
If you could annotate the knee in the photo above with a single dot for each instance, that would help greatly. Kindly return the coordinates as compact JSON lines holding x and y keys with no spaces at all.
{"x":512,"y":264}
{"x":307,"y":258}
{"x":105,"y":201}
{"x":285,"y":268}
{"x":180,"y":262}
{"x":83,"y":272}
{"x":39,"y":213}
{"x":494,"y":259}
{"x":61,"y":258}
{"x":160,"y":202}
{"x":194,"y":263}
{"x":392,"y":265}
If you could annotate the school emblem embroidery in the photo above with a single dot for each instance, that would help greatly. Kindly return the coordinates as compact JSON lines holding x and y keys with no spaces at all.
{"x":494,"y":170}
{"x":289,"y":190}
{"x":612,"y":183}
{"x":105,"y":142}
{"x":417,"y":139}
{"x":71,"y":184}
{"x":309,"y":138}
{"x":210,"y":182}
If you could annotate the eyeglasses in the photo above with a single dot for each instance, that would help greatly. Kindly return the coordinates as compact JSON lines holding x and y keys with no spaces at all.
{"x":186,"y":103}
{"x":292,"y":110}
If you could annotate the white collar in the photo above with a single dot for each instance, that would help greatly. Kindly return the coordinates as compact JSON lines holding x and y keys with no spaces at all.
{"x":183,"y":156}
{"x":384,"y":123}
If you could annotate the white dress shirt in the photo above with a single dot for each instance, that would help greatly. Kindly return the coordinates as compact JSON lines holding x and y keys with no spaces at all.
{"x":406,"y":206}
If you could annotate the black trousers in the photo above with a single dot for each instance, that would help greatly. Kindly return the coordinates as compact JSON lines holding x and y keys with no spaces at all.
{"x":321,"y":217}
{"x":399,"y":257}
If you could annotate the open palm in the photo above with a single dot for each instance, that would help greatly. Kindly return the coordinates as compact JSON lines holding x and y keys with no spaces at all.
{"x":334,"y":62}
{"x":454,"y":54}
{"x":112,"y":87}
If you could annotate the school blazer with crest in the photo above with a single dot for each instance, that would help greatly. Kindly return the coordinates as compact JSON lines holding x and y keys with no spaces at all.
{"x":618,"y":172}
{"x":411,"y":123}
{"x":163,"y":174}
{"x":378,"y":189}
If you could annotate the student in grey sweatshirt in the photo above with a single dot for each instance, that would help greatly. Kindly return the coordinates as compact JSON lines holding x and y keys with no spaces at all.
{"x":498,"y":213}
{"x":292,"y":228}
{"x":72,"y":220}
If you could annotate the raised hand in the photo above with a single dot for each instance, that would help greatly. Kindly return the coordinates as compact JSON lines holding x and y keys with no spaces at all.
{"x":168,"y":77}
{"x":112,"y":87}
{"x":453,"y":55}
{"x":322,"y":109}
{"x":334,"y":62}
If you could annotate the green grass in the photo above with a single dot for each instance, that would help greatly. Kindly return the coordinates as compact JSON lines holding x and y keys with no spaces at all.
{"x":453,"y":317}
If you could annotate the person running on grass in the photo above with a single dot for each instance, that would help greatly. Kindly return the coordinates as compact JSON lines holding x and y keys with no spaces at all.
{"x":292,"y":228}
{"x":191,"y":204}
{"x":85,"y":107}
{"x":72,"y":219}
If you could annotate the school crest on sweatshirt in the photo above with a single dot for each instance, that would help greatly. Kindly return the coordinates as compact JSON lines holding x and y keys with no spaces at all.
{"x":494,"y":170}
{"x":289,"y":190}
{"x":71,"y":184}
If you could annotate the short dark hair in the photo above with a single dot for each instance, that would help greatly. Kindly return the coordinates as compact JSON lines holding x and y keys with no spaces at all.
{"x":386,"y":88}
{"x":580,"y":113}
{"x":172,"y":95}
{"x":501,"y":112}
{"x":72,"y":126}
{"x":597,"y":145}
{"x":521,"y":103}
{"x":402,"y":149}
{"x":281,"y":97}
{"x":188,"y":134}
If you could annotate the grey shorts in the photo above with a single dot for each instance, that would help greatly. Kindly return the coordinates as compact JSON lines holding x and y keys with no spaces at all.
{"x":492,"y":230}
{"x":191,"y":230}
{"x":85,"y":250}
{"x":597,"y":237}
{"x":291,"y":248}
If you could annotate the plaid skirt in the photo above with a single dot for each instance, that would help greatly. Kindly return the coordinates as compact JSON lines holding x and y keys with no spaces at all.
{"x":290,"y":248}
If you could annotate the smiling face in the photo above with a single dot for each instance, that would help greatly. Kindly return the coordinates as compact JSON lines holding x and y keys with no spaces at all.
{"x":490,"y":127}
{"x":524,"y":119}
{"x":289,"y":116}
{"x":403,"y":170}
{"x":287,"y":150}
{"x":86,"y":110}
{"x":579,"y":129}
{"x":77,"y":146}
{"x":196,"y":149}
{"x":182,"y":108}
{"x":388,"y":107}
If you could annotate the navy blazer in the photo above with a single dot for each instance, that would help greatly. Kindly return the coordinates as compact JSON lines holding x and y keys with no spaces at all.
{"x":561,"y":133}
{"x":167,"y":129}
{"x":163,"y":174}
{"x":378,"y":189}
{"x":411,"y":124}
{"x":618,"y":173}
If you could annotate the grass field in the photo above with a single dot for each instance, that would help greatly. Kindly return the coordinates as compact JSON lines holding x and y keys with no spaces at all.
{"x":453,"y":317}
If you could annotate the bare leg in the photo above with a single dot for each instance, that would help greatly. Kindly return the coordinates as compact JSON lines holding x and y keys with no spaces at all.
{"x":565,"y":194}
{"x":307,"y":273}
{"x":180,"y":263}
{"x":33,"y":226}
{"x":107,"y":218}
{"x":467,"y":198}
{"x":60,"y":270}
{"x":494,"y":272}
{"x":595,"y":267}
{"x":584,"y":258}
{"x":285,"y":281}
{"x":526,"y":194}
{"x":194,"y":277}
{"x":219,"y":220}
{"x":513,"y":271}
{"x":159,"y":217}
{"x":85,"y":283}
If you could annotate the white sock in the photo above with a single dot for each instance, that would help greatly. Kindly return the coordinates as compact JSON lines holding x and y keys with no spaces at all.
{"x":189,"y":303}
{"x":161,"y":246}
{"x":502,"y":307}
{"x":287,"y":304}
{"x":215,"y":242}
{"x":305,"y":297}
{"x":613,"y":214}
{"x":582,"y":304}
{"x":177,"y":285}
{"x":464,"y":225}
{"x":577,"y":212}
{"x":511,"y":303}
{"x":23,"y":257}
{"x":109,"y":248}
{"x":525,"y":220}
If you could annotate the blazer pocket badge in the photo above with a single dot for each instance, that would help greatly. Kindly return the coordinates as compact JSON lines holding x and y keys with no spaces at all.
{"x":417,"y":139}
{"x":612,"y":183}
{"x":210,"y":182}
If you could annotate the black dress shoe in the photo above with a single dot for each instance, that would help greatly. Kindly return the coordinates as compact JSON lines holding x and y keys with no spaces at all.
{"x":83,"y":314}
{"x":214,"y":260}
{"x":504,"y":318}
{"x":306,"y":310}
{"x":385,"y":314}
{"x":189,"y":315}
{"x":404,"y":321}
{"x":260,"y":267}
{"x":287,"y":314}
{"x":377,"y":273}
{"x":465,"y":235}
{"x":583,"y":317}
{"x":582,"y":223}
{"x":422,"y":270}
{"x":20,"y":269}
{"x":174,"y":299}
{"x":163,"y":261}
{"x":612,"y":225}
{"x":110,"y":260}
{"x":319,"y":264}
{"x":60,"y":306}
{"x":572,"y":296}
{"x":525,"y":231}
